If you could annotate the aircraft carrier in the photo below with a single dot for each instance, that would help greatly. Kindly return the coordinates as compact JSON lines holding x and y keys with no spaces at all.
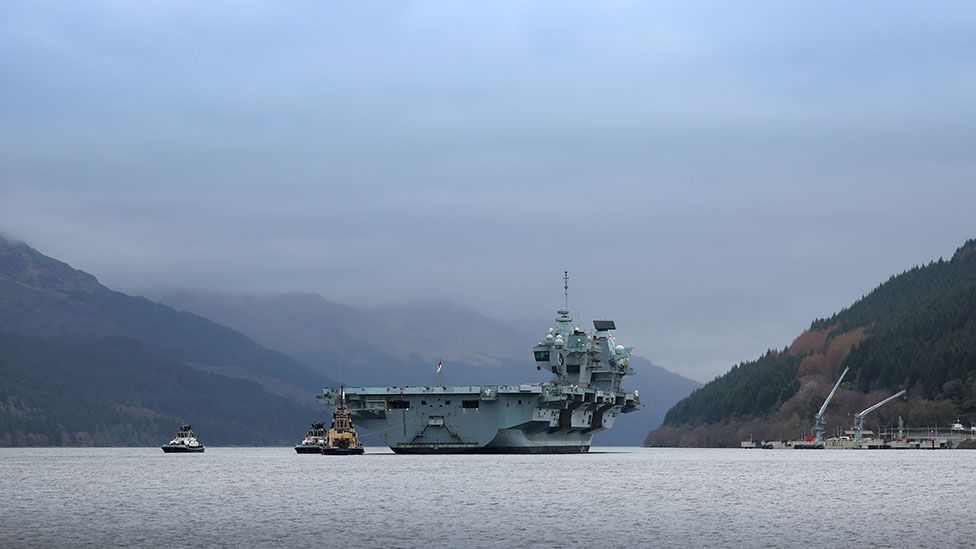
{"x":560,"y":416}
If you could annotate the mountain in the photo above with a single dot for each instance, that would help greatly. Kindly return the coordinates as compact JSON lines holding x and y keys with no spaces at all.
{"x":659,"y":390}
{"x":392,"y":344}
{"x":114,"y":391}
{"x":917,"y":331}
{"x":62,"y":330}
{"x":400,"y":344}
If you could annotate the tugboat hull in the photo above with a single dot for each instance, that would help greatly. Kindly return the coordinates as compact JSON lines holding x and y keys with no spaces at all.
{"x":342,"y":451}
{"x":180,"y":449}
{"x":308,"y":449}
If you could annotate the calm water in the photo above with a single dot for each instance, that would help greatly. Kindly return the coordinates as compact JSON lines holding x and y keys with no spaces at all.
{"x":621,"y":497}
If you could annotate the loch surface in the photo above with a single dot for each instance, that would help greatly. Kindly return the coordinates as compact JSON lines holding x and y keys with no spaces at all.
{"x":612,"y":496}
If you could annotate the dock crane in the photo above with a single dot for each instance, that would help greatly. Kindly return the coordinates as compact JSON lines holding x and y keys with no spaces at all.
{"x":819,"y":427}
{"x":859,"y":418}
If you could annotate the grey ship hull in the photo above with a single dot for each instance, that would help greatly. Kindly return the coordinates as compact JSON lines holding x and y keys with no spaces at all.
{"x":508,"y":441}
{"x":530,"y":419}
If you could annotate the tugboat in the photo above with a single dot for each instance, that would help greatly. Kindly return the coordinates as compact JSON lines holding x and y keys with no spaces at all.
{"x":341,"y":439}
{"x":184,"y":441}
{"x":314,"y":440}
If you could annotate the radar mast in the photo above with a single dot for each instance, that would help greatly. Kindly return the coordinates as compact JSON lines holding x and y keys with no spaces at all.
{"x":564,"y":321}
{"x":566,"y":288}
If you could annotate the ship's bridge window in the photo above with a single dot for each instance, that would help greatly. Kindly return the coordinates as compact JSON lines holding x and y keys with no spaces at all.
{"x":541,"y":356}
{"x":399,"y":405}
{"x":469,"y":404}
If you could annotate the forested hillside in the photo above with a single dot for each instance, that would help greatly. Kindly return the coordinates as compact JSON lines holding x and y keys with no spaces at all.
{"x":114,"y":391}
{"x":81,"y":364}
{"x":747,"y":389}
{"x":917,"y":331}
{"x":921,"y":331}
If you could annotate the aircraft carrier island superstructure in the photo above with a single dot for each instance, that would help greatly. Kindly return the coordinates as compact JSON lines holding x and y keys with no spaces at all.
{"x":560,"y":416}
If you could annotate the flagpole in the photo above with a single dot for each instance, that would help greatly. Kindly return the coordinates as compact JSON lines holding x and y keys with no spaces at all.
{"x":440,"y":373}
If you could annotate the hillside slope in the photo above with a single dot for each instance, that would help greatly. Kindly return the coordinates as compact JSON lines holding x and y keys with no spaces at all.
{"x":43,"y":297}
{"x":917,"y":331}
{"x":114,"y":391}
{"x":52,"y":316}
{"x":659,"y":390}
{"x":389,"y":345}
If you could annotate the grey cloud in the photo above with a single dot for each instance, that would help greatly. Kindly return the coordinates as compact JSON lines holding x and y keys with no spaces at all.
{"x":714,"y":176}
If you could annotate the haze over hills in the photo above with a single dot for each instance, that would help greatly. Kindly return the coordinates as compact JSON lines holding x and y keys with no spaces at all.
{"x":917,"y":331}
{"x":83,"y":364}
{"x":400,"y":344}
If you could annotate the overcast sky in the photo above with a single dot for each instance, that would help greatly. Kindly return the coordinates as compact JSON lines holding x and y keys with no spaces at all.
{"x":714,"y":176}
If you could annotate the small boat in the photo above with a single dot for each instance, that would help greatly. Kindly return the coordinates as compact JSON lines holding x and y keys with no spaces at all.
{"x":314,"y":441}
{"x":341,"y":439}
{"x":184,"y":441}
